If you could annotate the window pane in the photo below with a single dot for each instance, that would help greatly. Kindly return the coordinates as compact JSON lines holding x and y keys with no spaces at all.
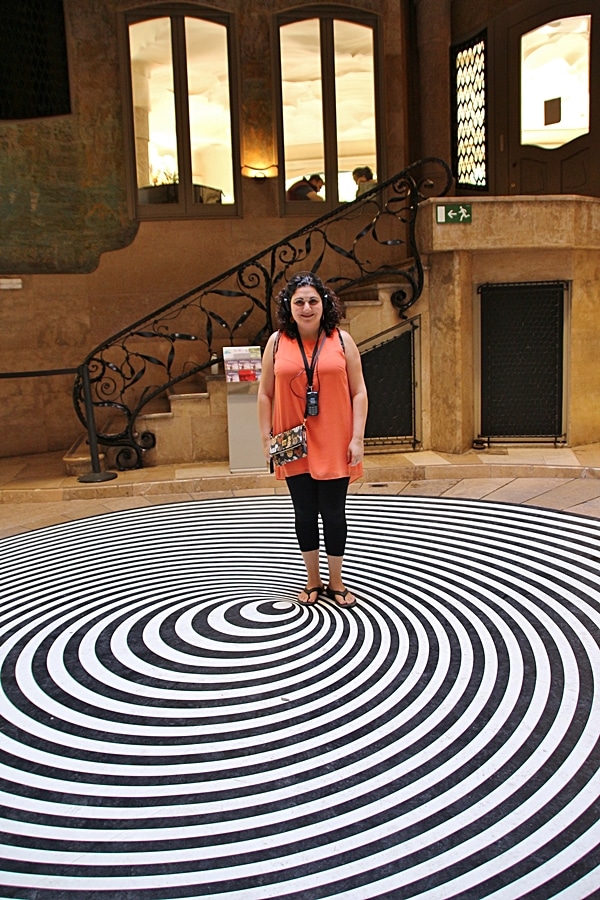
{"x":154,"y":111}
{"x":210,"y":117}
{"x":555,"y":82}
{"x":355,"y":105}
{"x":470,"y":114}
{"x":302,"y":100}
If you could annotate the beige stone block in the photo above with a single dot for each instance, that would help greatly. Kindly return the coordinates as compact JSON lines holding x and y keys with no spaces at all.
{"x":152,"y":488}
{"x":210,"y":438}
{"x":30,"y":495}
{"x":22,"y":420}
{"x":388,"y":473}
{"x":512,"y":470}
{"x":534,"y":264}
{"x":10,"y":472}
{"x":174,"y":441}
{"x":427,"y":458}
{"x":266,"y":480}
{"x":231,"y":483}
{"x":191,"y":405}
{"x":217,"y":391}
{"x":555,"y":471}
{"x":193,"y":470}
{"x":457,"y":472}
{"x":97,"y":491}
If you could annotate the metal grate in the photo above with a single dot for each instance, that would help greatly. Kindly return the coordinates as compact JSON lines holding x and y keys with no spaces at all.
{"x":34,"y":75}
{"x":469,"y":119}
{"x":522,"y":360}
{"x":389,"y":375}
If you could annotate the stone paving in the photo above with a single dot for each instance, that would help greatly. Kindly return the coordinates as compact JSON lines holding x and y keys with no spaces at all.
{"x":35,"y":492}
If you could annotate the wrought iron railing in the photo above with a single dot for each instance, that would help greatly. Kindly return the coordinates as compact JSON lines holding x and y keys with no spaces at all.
{"x":358,"y":243}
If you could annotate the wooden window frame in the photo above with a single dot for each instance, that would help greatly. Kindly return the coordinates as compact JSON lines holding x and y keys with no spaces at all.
{"x":185,"y":208}
{"x":370,"y":20}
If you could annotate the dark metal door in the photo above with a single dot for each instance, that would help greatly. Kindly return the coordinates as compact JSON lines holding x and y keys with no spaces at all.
{"x":522,"y":360}
{"x":389,"y":370}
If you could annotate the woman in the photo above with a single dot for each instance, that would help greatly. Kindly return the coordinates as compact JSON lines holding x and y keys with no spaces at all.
{"x":310,"y":347}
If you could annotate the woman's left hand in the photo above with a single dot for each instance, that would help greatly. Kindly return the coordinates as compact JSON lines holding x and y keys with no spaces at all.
{"x":356,"y":451}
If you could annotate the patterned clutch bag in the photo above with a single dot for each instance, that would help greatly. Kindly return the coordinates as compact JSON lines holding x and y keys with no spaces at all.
{"x":289,"y":445}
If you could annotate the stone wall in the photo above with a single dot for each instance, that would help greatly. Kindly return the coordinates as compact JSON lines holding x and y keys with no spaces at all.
{"x":88,"y":270}
{"x":510,"y":240}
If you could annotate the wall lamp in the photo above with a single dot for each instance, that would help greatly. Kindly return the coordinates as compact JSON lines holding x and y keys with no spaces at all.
{"x":260,"y":174}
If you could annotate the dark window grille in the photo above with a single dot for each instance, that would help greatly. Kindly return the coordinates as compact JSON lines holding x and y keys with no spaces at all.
{"x":34,"y":73}
{"x":522,"y":360}
{"x":469,"y":123}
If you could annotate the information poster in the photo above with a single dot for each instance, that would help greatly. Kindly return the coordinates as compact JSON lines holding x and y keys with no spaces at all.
{"x":242,"y":364}
{"x":243,"y":367}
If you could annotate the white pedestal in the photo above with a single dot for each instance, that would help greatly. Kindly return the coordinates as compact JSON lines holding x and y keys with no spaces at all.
{"x":245,"y":446}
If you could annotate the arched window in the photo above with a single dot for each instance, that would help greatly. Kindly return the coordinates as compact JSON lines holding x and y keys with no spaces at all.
{"x":555,"y":82}
{"x":184,"y":148}
{"x":329,"y":127}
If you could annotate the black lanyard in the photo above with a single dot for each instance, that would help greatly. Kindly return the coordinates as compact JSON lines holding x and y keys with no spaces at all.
{"x":310,"y":370}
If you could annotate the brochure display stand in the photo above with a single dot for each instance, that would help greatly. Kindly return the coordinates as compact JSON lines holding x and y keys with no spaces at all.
{"x":243,"y":367}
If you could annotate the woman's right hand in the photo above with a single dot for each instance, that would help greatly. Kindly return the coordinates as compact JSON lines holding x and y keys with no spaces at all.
{"x":267,"y":448}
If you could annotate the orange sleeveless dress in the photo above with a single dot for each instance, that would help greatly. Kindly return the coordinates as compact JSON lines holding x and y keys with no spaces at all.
{"x":329,"y":433}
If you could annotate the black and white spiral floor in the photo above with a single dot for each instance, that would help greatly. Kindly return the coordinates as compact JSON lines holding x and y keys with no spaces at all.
{"x":174,"y":725}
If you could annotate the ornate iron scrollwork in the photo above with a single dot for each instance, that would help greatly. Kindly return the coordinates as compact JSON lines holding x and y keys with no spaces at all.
{"x":356,"y":244}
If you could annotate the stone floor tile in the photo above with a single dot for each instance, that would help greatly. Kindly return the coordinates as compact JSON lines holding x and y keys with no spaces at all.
{"x":589,"y":508}
{"x":114,"y":504}
{"x":254,"y":492}
{"x":566,"y":496}
{"x":26,"y":526}
{"x":427,"y":458}
{"x":476,"y":488}
{"x":178,"y":497}
{"x":83,"y":509}
{"x":432,"y":487}
{"x":210,"y":495}
{"x":520,"y":489}
{"x":391,"y":487}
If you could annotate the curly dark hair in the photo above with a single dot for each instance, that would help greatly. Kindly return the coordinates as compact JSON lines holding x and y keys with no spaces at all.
{"x":332,"y":311}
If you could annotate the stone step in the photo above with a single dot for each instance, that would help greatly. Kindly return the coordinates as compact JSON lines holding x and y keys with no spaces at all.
{"x":78,"y":461}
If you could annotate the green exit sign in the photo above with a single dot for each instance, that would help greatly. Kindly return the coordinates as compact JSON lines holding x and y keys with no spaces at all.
{"x":454,"y":214}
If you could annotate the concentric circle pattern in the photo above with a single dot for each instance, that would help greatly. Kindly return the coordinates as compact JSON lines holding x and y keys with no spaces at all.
{"x":174,"y":724}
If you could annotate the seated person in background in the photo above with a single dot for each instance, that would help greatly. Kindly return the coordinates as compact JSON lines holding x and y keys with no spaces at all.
{"x":306,"y":189}
{"x":363,"y":176}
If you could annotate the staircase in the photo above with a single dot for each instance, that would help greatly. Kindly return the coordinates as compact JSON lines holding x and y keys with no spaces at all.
{"x":153,"y":399}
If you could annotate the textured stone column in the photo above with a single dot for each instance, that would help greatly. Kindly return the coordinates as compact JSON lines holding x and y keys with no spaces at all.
{"x":433,"y":38}
{"x":451,"y":361}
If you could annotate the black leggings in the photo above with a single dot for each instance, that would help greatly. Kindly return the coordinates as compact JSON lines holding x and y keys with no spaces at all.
{"x":311,"y":497}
